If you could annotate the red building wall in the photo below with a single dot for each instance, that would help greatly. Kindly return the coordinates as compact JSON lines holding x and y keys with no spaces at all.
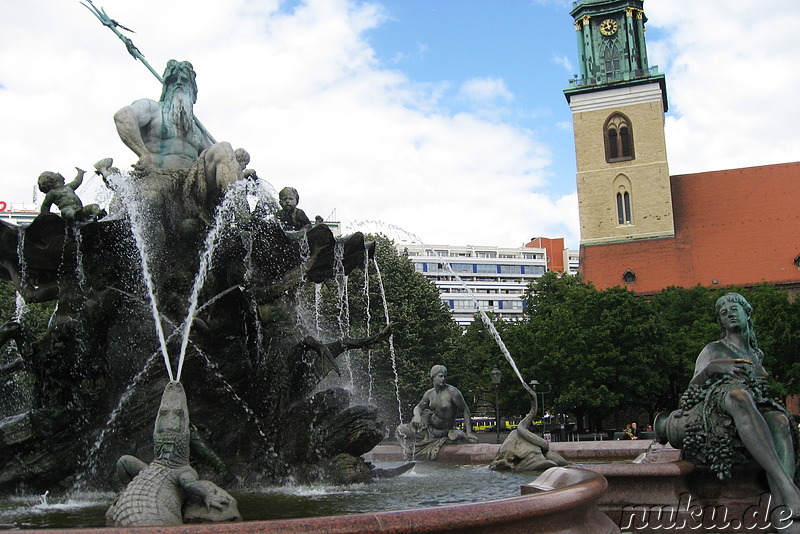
{"x":733,"y":227}
{"x":554,"y":248}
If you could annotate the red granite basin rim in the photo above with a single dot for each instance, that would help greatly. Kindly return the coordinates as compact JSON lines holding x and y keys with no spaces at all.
{"x":568,"y":509}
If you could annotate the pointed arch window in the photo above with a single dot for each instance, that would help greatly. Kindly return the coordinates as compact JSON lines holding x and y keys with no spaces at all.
{"x":624,"y":208}
{"x":623,"y":200}
{"x":618,"y":137}
{"x":611,"y":59}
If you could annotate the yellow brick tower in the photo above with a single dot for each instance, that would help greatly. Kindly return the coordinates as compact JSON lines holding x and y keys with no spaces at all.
{"x":618,"y":105}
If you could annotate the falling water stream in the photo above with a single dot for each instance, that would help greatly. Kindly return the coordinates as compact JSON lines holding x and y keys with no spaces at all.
{"x":21,"y":305}
{"x":21,"y":308}
{"x":391,"y":342}
{"x":124,"y":187}
{"x":79,"y":273}
{"x":317,"y":304}
{"x":233,"y":200}
{"x":484,"y":318}
{"x":367,"y":320}
{"x":23,"y":265}
{"x":344,"y":307}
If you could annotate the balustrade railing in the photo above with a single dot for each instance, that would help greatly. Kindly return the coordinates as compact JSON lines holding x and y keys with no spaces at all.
{"x":611,"y":77}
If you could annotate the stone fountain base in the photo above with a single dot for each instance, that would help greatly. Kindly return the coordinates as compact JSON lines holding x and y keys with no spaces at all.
{"x":484,"y":453}
{"x":658,"y":493}
{"x":673,"y":495}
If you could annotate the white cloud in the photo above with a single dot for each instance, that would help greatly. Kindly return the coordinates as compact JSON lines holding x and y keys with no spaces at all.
{"x":564,"y":62}
{"x":485,"y":91}
{"x":731,"y":80}
{"x":301,"y":90}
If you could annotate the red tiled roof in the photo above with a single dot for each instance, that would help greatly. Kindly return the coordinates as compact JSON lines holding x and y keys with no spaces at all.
{"x":738,"y":227}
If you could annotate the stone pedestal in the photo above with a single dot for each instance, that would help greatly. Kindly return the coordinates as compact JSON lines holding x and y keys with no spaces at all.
{"x":677,"y":496}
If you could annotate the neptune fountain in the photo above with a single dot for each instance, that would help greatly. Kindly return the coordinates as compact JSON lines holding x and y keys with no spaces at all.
{"x":184,"y":298}
{"x":190,"y":280}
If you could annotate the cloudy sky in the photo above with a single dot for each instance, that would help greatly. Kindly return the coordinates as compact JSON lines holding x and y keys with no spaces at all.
{"x":442,"y":119}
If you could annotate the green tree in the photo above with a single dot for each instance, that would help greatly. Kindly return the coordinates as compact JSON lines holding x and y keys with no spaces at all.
{"x":478,"y":356}
{"x":600,"y":349}
{"x":686,"y":318}
{"x":777,"y":324}
{"x":16,"y":386}
{"x":36,"y":315}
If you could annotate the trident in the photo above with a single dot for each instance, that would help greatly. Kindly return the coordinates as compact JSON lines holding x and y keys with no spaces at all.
{"x":132,"y":50}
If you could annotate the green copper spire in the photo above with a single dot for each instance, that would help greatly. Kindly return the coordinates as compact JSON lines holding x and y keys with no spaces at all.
{"x":611,"y":45}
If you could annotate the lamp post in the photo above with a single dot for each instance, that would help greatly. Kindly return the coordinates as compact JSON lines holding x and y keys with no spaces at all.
{"x":495,"y":376}
{"x":535,"y":386}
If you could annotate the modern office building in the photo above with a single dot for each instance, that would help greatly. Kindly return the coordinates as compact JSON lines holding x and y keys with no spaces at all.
{"x":489,"y":278}
{"x":18,"y":213}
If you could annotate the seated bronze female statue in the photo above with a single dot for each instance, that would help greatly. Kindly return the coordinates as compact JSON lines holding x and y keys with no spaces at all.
{"x":726,"y":415}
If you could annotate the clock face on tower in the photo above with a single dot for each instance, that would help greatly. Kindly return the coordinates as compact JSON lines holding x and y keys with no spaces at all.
{"x":608,"y":27}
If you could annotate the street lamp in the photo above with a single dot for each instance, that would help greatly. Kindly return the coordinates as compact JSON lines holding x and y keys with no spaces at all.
{"x":495,"y":376}
{"x":535,"y":386}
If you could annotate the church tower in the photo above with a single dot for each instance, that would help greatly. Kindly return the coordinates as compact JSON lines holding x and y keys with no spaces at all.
{"x":618,"y":103}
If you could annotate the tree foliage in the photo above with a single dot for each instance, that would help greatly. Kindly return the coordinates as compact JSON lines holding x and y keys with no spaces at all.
{"x":610,"y":350}
{"x":33,"y":317}
{"x":600,"y":349}
{"x":777,"y":325}
{"x":479,"y":355}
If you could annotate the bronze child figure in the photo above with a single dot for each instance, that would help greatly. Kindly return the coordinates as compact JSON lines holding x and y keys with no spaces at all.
{"x":64,"y":197}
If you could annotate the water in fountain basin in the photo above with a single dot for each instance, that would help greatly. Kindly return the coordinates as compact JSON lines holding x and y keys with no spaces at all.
{"x":427,"y":485}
